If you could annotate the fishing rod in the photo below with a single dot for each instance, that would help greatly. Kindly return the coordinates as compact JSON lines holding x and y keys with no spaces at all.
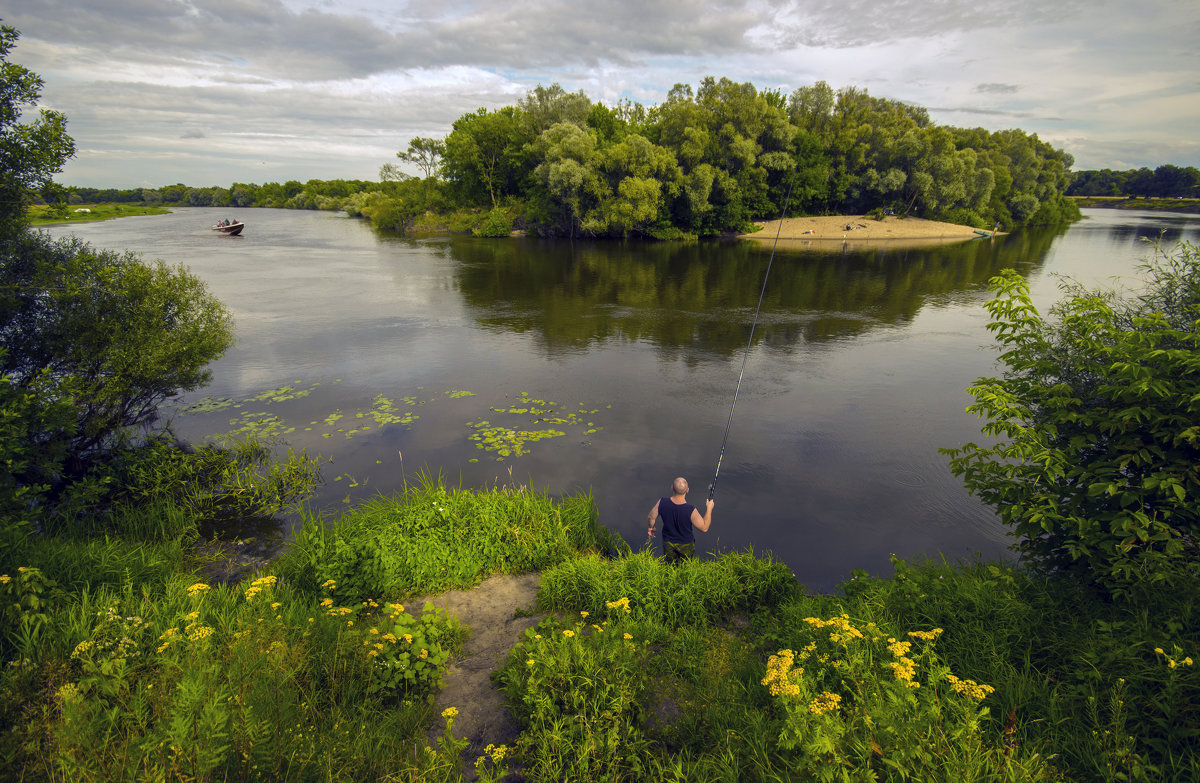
{"x":712,"y":488}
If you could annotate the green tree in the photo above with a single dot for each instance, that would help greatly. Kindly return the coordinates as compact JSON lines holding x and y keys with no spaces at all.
{"x":485,"y":154}
{"x":31,"y":152}
{"x":106,"y":333}
{"x":426,"y":154}
{"x":1097,"y":427}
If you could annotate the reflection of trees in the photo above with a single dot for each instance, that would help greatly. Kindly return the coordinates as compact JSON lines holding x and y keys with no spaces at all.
{"x":702,"y":295}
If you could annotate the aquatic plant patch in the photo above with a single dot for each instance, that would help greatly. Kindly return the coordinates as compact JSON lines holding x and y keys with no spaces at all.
{"x":539,"y":419}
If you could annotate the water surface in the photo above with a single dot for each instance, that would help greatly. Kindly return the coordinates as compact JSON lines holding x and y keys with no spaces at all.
{"x":854,"y":378}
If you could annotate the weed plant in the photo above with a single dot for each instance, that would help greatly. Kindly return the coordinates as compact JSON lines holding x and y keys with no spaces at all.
{"x":199,"y":683}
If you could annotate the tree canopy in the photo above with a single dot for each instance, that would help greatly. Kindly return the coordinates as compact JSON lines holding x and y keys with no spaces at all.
{"x":713,"y":159}
{"x":31,"y":153}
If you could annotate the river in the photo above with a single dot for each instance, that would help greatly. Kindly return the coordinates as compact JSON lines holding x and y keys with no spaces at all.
{"x":391,"y":357}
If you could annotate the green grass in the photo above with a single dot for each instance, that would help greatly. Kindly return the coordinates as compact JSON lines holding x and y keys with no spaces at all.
{"x":431,"y":538}
{"x":119,"y":667}
{"x":40,"y":216}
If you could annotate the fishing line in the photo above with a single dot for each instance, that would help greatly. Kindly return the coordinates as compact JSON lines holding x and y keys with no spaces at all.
{"x":712,"y":488}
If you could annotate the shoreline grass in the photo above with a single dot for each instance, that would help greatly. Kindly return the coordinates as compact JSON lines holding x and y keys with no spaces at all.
{"x":41,"y":214}
{"x":718,"y":669}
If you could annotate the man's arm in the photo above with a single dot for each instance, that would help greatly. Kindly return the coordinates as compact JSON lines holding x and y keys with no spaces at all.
{"x":652,"y":517}
{"x":703,"y":523}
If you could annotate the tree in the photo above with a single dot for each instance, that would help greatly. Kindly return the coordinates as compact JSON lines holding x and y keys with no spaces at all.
{"x":485,"y":154}
{"x":1097,"y":422}
{"x":30,"y":153}
{"x":425,"y":153}
{"x":111,"y":335}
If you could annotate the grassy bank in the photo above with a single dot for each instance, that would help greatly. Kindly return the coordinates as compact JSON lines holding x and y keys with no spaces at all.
{"x":1189,"y":205}
{"x":42,"y":215}
{"x":724,"y":669}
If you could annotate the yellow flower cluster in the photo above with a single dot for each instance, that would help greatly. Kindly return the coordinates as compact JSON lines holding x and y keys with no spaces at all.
{"x":198,"y":589}
{"x":1171,"y":662}
{"x":905,"y":669}
{"x":898,"y":649}
{"x":199,"y":632}
{"x":969,"y":687}
{"x":167,"y":637}
{"x":5,"y":579}
{"x":826,"y":702}
{"x":258,"y":585}
{"x":620,"y":603}
{"x":497,"y":752}
{"x":780,"y":678}
{"x":329,"y":584}
{"x":583,"y":615}
{"x":927,"y":636}
{"x":568,"y":633}
{"x":842,"y":631}
{"x":450,"y":712}
{"x":82,"y":648}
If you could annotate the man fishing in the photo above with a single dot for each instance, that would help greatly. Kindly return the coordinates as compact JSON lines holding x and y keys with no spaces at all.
{"x":679,"y":517}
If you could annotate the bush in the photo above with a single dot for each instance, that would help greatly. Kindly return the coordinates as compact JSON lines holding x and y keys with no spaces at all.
{"x":1096,"y":418}
{"x":496,"y":224}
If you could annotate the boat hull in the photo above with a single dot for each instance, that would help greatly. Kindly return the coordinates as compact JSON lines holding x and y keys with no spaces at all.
{"x":231,"y":230}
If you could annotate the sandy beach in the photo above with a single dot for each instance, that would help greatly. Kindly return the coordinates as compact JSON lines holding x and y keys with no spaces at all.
{"x":839,"y":229}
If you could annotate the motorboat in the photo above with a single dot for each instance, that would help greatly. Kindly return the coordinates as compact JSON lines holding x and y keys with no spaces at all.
{"x":232,"y":229}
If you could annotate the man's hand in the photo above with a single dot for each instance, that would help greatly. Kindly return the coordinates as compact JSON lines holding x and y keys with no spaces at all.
{"x":650,"y":531}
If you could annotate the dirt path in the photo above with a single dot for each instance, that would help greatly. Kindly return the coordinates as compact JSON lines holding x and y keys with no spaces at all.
{"x":488,"y":611}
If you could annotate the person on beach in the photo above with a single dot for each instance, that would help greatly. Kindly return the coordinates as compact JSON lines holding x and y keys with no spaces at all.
{"x":679,"y":517}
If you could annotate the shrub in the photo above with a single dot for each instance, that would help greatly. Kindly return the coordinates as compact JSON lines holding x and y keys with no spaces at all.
{"x":496,"y":224}
{"x":1095,"y":419}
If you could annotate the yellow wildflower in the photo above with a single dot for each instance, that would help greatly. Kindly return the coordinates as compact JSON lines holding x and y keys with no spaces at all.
{"x":450,"y":712}
{"x":568,"y":633}
{"x":927,"y":636}
{"x":826,"y":702}
{"x":5,"y":579}
{"x":198,"y":588}
{"x":329,"y":584}
{"x":583,"y":615}
{"x":628,"y":636}
{"x":970,"y":688}
{"x":530,"y":662}
{"x":276,"y":605}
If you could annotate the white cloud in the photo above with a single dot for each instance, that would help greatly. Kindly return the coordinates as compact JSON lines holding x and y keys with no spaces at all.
{"x":158,"y":91}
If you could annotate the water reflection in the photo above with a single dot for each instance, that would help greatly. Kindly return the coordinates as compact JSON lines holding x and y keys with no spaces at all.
{"x":701,"y":296}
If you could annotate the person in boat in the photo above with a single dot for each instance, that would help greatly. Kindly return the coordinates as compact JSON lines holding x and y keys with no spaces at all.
{"x":679,"y":518}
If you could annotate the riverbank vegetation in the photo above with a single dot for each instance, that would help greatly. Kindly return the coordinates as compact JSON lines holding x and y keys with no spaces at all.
{"x":84,"y":212}
{"x":1165,"y":182}
{"x":707,"y":161}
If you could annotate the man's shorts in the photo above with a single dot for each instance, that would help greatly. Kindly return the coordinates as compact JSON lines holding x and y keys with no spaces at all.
{"x":674,"y":552}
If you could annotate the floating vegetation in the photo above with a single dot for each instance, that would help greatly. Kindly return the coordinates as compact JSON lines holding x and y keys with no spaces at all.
{"x":506,"y":441}
{"x":259,"y":425}
{"x":539,"y":419}
{"x":280,"y":394}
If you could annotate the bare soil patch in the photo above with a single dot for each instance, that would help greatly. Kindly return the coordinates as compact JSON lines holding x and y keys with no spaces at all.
{"x":488,"y":611}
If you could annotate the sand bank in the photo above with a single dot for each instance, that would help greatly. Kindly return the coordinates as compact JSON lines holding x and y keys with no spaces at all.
{"x":831,"y":231}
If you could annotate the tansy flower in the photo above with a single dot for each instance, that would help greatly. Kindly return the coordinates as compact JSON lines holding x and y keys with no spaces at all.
{"x":450,"y":712}
{"x":568,"y":634}
{"x":195,"y":589}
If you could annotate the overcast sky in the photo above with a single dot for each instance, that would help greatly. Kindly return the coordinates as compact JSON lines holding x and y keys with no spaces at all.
{"x":208,"y":92}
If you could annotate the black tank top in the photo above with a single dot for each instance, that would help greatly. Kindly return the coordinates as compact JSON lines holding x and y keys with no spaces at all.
{"x":677,"y":521}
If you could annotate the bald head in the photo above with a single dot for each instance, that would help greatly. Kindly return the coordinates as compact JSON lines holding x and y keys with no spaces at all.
{"x":679,"y":486}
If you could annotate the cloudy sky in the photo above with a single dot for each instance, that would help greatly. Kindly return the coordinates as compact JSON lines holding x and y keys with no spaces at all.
{"x":208,"y":92}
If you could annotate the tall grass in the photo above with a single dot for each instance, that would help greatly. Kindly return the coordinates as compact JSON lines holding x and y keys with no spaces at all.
{"x":432,"y":538}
